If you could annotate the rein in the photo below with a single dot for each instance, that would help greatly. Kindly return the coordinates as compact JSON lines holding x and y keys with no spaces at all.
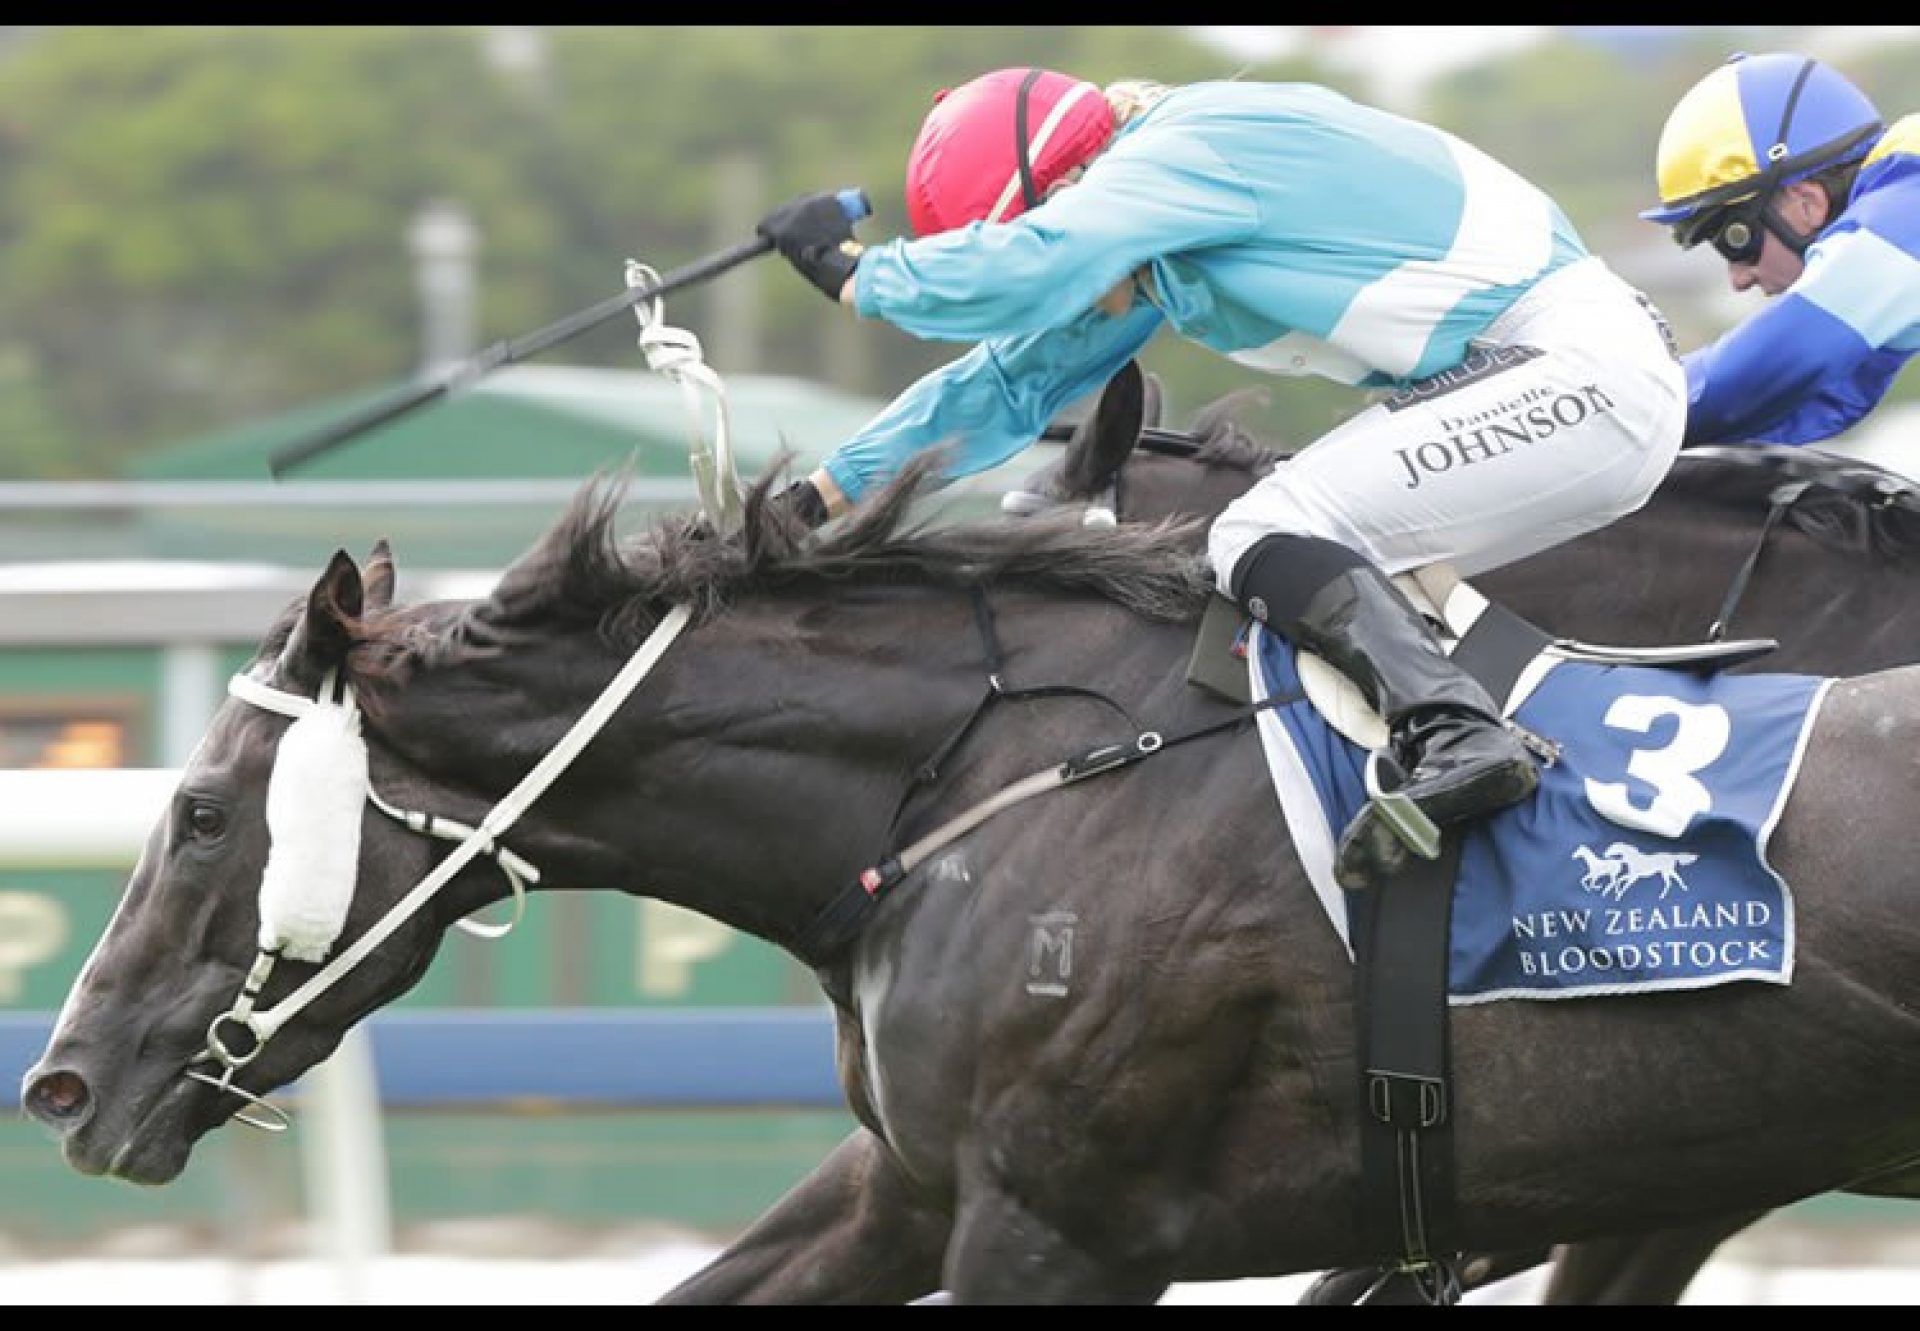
{"x":259,"y":1025}
{"x":1783,"y":498}
{"x":676,"y":354}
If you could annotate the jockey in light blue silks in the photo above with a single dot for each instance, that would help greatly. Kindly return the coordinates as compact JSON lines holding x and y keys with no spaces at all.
{"x":1528,"y":394}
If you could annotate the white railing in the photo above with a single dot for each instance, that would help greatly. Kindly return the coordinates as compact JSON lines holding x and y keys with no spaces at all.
{"x":79,"y":818}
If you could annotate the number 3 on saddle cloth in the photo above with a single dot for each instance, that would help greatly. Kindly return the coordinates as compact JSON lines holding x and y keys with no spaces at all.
{"x":1639,"y":864}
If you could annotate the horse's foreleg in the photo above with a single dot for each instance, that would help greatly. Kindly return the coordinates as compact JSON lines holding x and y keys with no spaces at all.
{"x":852,"y":1231}
{"x":1004,"y":1253}
{"x":1641,"y":1269}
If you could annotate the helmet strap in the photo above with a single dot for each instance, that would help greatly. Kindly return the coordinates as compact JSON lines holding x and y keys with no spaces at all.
{"x":1770,"y":218}
{"x":1779,"y":157}
{"x":1028,"y":194}
{"x":1779,"y":152}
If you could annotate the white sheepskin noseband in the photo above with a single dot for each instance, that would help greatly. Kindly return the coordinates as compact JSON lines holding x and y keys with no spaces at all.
{"x":316,"y":799}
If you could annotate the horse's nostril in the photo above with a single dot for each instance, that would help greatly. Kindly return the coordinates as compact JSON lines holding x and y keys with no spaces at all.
{"x":58,"y":1098}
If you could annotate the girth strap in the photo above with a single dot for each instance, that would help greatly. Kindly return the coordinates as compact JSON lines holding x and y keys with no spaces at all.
{"x":1406,"y":1122}
{"x":1497,"y":649}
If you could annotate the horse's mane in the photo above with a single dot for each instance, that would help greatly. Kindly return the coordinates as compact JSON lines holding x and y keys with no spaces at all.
{"x":584,"y":571}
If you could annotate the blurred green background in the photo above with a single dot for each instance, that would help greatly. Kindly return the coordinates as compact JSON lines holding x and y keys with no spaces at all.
{"x":204,"y":226}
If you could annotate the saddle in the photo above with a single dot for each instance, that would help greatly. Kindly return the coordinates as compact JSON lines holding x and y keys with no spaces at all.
{"x":1508,"y":655}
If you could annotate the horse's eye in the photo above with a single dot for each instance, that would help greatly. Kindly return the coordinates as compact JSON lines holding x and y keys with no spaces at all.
{"x":206,"y":821}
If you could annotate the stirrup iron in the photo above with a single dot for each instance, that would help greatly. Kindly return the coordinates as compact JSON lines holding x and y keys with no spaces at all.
{"x":1407,"y":820}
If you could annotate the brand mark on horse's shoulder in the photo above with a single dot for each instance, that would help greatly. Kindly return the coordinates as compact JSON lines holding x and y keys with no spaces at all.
{"x":1050,"y":953}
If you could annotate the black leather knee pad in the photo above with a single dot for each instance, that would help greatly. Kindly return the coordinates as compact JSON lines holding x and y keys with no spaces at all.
{"x":1280,"y":574}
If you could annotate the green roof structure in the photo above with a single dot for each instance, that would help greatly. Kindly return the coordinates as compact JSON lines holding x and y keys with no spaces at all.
{"x":474,"y":478}
{"x":532,"y":422}
{"x":463,"y":483}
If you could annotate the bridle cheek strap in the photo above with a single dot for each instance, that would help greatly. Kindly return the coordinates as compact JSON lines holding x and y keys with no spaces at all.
{"x":257,"y":1026}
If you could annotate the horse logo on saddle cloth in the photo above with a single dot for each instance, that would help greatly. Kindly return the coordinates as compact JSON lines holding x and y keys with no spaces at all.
{"x":1639,"y":864}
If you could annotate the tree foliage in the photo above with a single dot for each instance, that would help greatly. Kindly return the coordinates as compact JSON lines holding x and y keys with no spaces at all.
{"x":202,"y":225}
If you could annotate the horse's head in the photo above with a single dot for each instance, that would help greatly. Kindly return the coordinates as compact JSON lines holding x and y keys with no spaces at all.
{"x":295,"y":883}
{"x":266,"y":864}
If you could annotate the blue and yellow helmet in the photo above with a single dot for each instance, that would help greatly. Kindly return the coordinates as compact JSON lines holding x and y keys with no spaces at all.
{"x":1752,"y":125}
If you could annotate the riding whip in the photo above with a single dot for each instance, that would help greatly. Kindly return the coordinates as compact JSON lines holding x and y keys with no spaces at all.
{"x":462,"y":376}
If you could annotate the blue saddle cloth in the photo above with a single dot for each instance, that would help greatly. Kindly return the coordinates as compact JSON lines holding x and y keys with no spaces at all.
{"x":1639,"y":864}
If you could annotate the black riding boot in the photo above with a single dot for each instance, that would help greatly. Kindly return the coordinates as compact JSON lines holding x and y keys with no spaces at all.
{"x":1460,"y":760}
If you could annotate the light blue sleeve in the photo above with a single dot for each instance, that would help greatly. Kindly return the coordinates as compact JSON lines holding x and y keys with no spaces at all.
{"x":1143,"y":201}
{"x":1025,"y":292}
{"x":992,"y":402}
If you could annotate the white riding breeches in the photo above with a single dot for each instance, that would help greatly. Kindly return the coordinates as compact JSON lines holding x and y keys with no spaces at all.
{"x":1566,"y":416}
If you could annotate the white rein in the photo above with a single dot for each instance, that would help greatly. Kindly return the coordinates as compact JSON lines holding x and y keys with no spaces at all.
{"x":676,"y":353}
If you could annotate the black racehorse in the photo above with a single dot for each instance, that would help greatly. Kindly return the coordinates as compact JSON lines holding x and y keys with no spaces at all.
{"x":1093,"y":1022}
{"x":1816,"y":551}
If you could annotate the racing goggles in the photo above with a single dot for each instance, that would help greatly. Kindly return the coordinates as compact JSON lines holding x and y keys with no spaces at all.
{"x":1735,"y":230}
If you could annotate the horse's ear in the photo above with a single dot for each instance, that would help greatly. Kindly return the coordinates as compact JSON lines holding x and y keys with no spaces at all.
{"x":323,"y":633}
{"x":377,"y":574}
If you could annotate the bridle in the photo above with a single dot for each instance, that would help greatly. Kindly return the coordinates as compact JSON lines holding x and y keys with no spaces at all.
{"x":670,"y":351}
{"x":236,"y":1037}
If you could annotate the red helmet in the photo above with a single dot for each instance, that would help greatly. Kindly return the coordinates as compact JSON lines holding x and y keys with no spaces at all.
{"x":989,"y":149}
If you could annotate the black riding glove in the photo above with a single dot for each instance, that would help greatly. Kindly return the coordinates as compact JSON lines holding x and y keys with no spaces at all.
{"x":814,"y":234}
